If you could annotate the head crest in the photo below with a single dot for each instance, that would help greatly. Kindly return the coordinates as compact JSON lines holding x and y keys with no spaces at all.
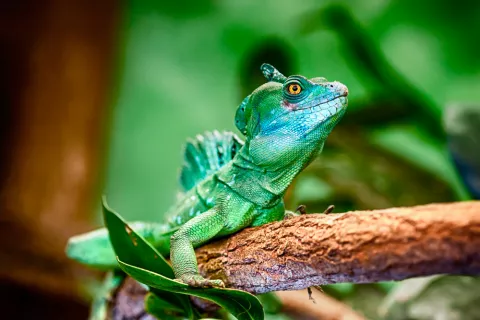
{"x":272,"y":74}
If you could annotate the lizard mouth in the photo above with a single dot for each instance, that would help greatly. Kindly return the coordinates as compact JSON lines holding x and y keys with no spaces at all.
{"x":327,"y":101}
{"x":319,"y":112}
{"x":324,"y":109}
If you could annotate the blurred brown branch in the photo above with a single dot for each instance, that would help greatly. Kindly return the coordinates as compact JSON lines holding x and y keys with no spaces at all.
{"x":57,"y":59}
{"x":298,"y":306}
{"x":359,"y":247}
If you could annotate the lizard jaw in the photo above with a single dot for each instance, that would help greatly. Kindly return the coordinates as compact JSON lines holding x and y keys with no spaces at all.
{"x":323,"y":110}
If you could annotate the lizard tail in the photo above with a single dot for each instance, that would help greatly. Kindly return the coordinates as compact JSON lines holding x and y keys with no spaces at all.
{"x":206,"y":154}
{"x":94,"y":248}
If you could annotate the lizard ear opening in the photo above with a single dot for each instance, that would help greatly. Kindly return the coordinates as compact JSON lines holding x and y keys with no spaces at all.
{"x":243,"y":112}
{"x":272,"y":74}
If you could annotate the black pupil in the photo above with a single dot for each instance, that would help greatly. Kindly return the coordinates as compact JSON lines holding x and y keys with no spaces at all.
{"x":294,"y":88}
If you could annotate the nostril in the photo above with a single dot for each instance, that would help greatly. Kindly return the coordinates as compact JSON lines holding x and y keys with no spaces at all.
{"x":342,"y":89}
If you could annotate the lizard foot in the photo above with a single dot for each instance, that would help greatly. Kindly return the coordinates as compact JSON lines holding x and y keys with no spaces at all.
{"x":196,"y":280}
{"x":301,"y":209}
{"x":290,"y":214}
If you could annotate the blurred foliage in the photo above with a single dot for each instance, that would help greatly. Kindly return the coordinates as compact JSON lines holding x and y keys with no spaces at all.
{"x":362,"y":175}
{"x":187,"y":67}
{"x":438,"y":297}
{"x":462,"y":124}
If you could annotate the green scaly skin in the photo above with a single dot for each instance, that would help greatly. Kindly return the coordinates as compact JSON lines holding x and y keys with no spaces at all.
{"x":284,"y":131}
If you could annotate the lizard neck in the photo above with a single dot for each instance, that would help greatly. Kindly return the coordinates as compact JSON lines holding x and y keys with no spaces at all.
{"x":276,"y":176}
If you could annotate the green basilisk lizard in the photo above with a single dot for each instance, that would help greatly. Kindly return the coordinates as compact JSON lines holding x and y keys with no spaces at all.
{"x":229,"y":184}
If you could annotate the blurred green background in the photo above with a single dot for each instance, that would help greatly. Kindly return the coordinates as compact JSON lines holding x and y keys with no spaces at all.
{"x":185,"y":69}
{"x":186,"y":66}
{"x":99,"y":97}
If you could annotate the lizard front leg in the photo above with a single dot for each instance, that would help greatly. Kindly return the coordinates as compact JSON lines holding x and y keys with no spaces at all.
{"x":193,"y":233}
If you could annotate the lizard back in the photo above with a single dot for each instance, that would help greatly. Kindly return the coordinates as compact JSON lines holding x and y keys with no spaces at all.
{"x":206,"y":154}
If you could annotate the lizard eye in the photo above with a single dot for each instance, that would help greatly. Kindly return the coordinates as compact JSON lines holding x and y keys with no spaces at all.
{"x":294,"y":88}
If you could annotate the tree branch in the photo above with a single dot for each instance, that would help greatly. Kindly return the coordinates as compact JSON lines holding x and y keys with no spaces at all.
{"x":360,"y":246}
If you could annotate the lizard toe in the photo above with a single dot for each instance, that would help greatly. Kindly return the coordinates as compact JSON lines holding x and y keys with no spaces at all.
{"x":196,"y":280}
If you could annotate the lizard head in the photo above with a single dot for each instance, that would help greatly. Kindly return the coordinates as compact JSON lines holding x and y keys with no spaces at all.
{"x":293,"y":107}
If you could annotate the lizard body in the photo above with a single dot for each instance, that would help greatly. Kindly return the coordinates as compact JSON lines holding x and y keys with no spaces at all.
{"x":229,"y":184}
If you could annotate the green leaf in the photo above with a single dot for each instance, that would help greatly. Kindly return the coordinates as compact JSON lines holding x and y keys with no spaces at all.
{"x":161,"y":308}
{"x":148,"y":266}
{"x":131,"y":247}
{"x":134,"y":249}
{"x":242,"y":305}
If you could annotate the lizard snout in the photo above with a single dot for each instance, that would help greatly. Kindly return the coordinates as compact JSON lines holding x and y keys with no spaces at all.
{"x":339,"y":88}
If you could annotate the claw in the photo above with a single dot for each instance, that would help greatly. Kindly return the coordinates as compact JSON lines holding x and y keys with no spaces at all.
{"x":309,"y":290}
{"x":302,"y":209}
{"x":329,"y":209}
{"x":196,"y":280}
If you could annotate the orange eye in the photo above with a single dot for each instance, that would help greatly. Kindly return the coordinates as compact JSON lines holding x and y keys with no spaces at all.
{"x":294,"y":88}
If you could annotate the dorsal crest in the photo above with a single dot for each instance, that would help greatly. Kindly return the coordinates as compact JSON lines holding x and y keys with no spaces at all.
{"x":206,"y":154}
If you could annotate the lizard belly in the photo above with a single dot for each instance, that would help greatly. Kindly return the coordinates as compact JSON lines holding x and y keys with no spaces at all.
{"x":240,"y":212}
{"x":267,"y":215}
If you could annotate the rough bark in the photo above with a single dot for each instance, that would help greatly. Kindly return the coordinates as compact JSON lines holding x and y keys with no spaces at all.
{"x":358,"y":247}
